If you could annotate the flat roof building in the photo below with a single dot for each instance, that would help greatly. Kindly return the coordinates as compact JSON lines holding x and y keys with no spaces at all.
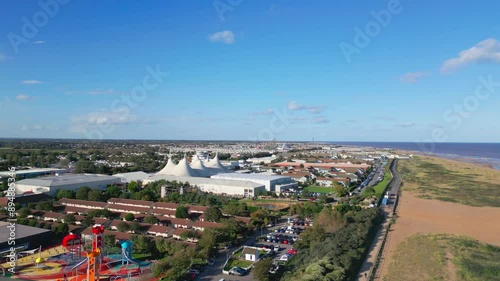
{"x":52,"y":184}
{"x":273,"y":183}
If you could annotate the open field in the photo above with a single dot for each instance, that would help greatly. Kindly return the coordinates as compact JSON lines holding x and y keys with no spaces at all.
{"x":452,"y":181}
{"x":444,"y":257}
{"x":319,"y":189}
{"x":417,"y":215}
{"x":380,"y":187}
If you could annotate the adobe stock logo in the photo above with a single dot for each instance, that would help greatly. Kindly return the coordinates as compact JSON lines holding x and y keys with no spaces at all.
{"x":363,"y":37}
{"x":455,"y":116}
{"x":30,"y":28}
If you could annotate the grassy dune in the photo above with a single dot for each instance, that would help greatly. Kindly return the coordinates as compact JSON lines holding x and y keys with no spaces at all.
{"x":453,"y":181}
{"x":444,"y":257}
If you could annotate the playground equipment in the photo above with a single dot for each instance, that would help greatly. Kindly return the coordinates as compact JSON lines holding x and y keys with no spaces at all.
{"x":94,"y":257}
{"x":73,"y":243}
{"x":72,"y":262}
{"x":127,"y":254}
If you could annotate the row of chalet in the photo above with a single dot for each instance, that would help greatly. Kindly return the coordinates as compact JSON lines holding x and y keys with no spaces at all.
{"x":157,"y":231}
{"x":129,"y":206}
{"x":162,"y":221}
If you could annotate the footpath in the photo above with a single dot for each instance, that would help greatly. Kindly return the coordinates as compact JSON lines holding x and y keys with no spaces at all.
{"x":374,"y":256}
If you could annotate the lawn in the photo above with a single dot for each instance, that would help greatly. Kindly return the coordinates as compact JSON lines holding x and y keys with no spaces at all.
{"x":141,"y":256}
{"x":380,"y":187}
{"x":452,"y":181}
{"x":319,"y":189}
{"x":444,"y":257}
{"x":237,"y":262}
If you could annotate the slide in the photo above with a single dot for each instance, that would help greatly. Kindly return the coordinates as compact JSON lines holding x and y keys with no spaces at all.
{"x":140,"y":263}
{"x":78,"y":265}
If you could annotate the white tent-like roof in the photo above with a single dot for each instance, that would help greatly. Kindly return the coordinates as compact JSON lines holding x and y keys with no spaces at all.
{"x":216,"y":166}
{"x":169,"y":168}
{"x":183,"y":169}
{"x":199,"y":168}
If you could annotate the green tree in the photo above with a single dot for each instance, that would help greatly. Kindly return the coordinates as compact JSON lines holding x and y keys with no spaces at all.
{"x":69,"y":218}
{"x":109,"y":240}
{"x":213,"y":214}
{"x":113,"y":191}
{"x":181,"y":212}
{"x":45,"y":206}
{"x":65,"y":193}
{"x":261,"y":269}
{"x":129,"y":217}
{"x":82,"y":193}
{"x":135,"y":227}
{"x":133,"y":187}
{"x":151,"y":219}
{"x":95,"y":195}
{"x":24,"y":212}
{"x":63,"y":229}
{"x":123,"y":227}
{"x":87,"y":221}
{"x":160,"y":267}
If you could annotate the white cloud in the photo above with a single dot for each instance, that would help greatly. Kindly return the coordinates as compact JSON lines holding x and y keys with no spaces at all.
{"x":33,"y":128}
{"x":320,"y":120}
{"x":225,"y":37}
{"x":413,"y":77}
{"x":294,"y":106}
{"x":101,"y":92}
{"x":268,"y":111}
{"x":101,"y":119}
{"x":31,"y":82}
{"x":95,"y":92}
{"x":23,"y":97}
{"x":38,"y":42}
{"x":405,"y":125}
{"x":487,"y":51}
{"x":3,"y":57}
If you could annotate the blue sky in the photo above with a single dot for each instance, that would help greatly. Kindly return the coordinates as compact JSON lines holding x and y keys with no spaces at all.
{"x":251,"y":70}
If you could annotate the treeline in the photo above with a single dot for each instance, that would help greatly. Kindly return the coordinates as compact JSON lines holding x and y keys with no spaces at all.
{"x":334,"y":248}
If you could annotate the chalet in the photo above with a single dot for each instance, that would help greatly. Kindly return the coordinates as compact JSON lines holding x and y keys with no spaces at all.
{"x":82,"y":203}
{"x":245,"y":220}
{"x":130,"y":202}
{"x":137,"y":217}
{"x":119,"y":236}
{"x":180,"y":223}
{"x":177,"y":234}
{"x":75,"y":210}
{"x":201,"y":225}
{"x":165,"y":206}
{"x":163,"y":212}
{"x":196,"y":209}
{"x":158,"y":230}
{"x":127,"y":209}
{"x":51,"y":216}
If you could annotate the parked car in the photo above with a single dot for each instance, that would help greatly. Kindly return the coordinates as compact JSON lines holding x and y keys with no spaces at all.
{"x":194,"y":271}
{"x":292,"y":251}
{"x":211,"y":262}
{"x":276,"y":248}
{"x":237,"y":271}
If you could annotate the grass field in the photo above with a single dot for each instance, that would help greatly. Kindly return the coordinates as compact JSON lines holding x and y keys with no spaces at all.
{"x":380,"y":187}
{"x":319,"y":189}
{"x":453,"y":181}
{"x":444,"y":257}
{"x":237,"y":262}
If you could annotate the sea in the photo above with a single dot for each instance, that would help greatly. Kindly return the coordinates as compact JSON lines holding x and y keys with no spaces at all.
{"x":481,"y":153}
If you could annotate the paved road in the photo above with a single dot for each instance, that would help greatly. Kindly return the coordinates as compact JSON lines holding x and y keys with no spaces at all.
{"x":374,"y":250}
{"x":215,"y":272}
